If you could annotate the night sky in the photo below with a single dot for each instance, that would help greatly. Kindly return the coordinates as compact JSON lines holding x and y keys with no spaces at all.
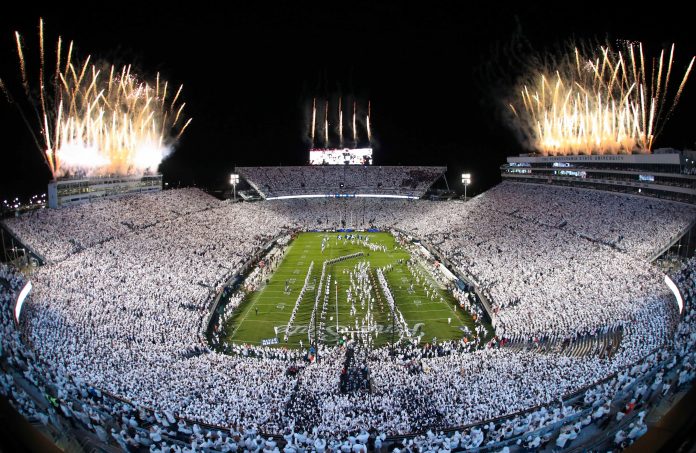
{"x":436,"y":76}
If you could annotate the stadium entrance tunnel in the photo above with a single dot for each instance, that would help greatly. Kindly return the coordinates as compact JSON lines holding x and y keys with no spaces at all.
{"x":355,"y":374}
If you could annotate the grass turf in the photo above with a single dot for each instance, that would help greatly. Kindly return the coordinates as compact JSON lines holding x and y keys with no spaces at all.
{"x":271,"y":305}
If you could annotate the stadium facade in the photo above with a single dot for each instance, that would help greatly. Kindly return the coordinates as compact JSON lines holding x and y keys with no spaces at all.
{"x":666,"y":173}
{"x":342,"y":181}
{"x":67,"y":192}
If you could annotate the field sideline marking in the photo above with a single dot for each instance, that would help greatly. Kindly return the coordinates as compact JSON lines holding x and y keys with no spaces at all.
{"x":272,"y":294}
{"x":256,"y":298}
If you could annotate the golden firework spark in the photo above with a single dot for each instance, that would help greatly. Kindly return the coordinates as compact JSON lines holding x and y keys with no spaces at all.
{"x":326,"y":124}
{"x":314,"y":118}
{"x":97,"y":122}
{"x":367,"y":122}
{"x":340,"y":121}
{"x":355,"y":130}
{"x":599,"y":103}
{"x":22,"y":65}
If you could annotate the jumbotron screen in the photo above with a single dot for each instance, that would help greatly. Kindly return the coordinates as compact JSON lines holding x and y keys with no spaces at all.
{"x":345,"y":156}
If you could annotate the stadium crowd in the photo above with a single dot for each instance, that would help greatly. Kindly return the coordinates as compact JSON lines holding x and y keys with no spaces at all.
{"x":118,"y":312}
{"x":56,"y":234}
{"x":350,"y":179}
{"x":619,"y":220}
{"x":533,"y":273}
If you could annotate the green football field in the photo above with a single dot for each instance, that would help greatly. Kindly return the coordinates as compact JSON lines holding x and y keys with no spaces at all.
{"x":264,"y":314}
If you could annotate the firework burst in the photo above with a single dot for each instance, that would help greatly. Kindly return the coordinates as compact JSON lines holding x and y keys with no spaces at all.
{"x":602,"y":102}
{"x":96,"y":119}
{"x":335,"y":129}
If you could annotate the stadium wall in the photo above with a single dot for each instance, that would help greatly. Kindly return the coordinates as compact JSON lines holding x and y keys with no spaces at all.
{"x":609,"y":182}
{"x":69,"y":192}
{"x":6,"y":236}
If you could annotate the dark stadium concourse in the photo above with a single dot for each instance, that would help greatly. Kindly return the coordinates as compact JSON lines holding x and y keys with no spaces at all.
{"x":365,"y":226}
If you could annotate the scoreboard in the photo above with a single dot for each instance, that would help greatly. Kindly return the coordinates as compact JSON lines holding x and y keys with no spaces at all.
{"x":341,"y":156}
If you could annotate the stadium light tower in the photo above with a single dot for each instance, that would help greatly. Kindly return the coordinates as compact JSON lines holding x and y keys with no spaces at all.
{"x":466,"y":180}
{"x":234,"y":180}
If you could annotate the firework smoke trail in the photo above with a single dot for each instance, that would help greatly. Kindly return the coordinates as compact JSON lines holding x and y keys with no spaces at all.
{"x":5,"y":92}
{"x":95,"y":122}
{"x":9,"y":100}
{"x":355,"y":130}
{"x":340,"y":122}
{"x":598,"y":103}
{"x":314,"y":118}
{"x":369,"y":133}
{"x":326,"y":124}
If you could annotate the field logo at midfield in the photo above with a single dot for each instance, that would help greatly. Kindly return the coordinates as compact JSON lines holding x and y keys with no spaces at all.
{"x":330,"y":331}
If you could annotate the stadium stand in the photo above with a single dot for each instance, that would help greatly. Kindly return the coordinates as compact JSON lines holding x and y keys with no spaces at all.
{"x":346,"y":179}
{"x":56,"y":234}
{"x":114,"y":322}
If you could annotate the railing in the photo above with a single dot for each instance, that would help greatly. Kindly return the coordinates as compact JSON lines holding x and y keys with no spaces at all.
{"x":676,"y":238}
{"x":5,"y":229}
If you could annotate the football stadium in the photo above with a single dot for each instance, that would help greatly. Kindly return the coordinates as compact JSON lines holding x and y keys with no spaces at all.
{"x":342,"y":304}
